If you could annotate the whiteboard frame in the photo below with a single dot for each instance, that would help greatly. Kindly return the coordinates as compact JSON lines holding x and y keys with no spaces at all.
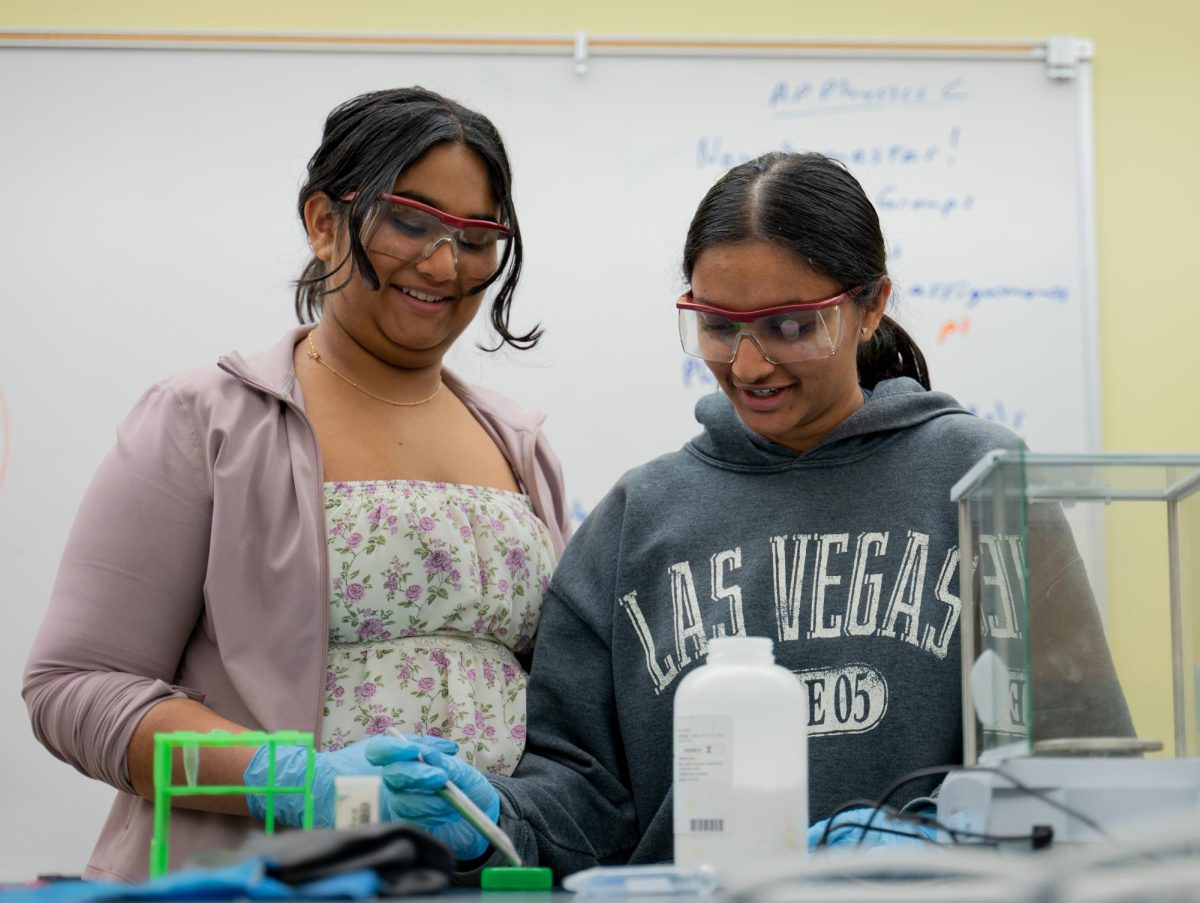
{"x":566,"y":45}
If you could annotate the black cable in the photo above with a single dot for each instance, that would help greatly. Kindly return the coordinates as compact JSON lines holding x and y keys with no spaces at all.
{"x":1024,"y":788}
{"x":878,"y":829}
{"x":900,"y":815}
{"x":844,"y":807}
{"x":1048,"y":800}
{"x":874,"y":804}
{"x":955,"y":833}
{"x":1040,"y":835}
{"x":881,"y":803}
{"x":900,"y":782}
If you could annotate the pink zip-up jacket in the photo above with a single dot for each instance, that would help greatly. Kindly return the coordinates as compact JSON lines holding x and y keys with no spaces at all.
{"x":197,"y":568}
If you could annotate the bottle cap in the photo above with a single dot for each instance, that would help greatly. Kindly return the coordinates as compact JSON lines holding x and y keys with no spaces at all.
{"x":744,"y":647}
{"x":514,"y":878}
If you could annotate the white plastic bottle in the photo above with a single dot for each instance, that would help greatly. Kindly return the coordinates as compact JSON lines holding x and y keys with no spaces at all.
{"x":741,"y":758}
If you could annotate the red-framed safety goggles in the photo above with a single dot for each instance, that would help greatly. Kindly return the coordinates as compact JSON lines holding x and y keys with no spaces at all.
{"x":785,"y":333}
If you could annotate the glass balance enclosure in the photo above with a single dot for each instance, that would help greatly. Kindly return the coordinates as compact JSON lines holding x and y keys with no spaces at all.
{"x":1080,"y":621}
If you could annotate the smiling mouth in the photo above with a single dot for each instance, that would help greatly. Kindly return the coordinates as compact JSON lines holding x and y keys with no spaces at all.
{"x":421,"y":296}
{"x":764,"y":393}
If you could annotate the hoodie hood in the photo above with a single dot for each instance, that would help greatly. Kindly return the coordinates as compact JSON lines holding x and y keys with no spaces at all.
{"x":893,"y":406}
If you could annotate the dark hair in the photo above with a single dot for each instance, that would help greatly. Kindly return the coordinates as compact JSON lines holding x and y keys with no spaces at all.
{"x":812,"y":206}
{"x":367,"y":143}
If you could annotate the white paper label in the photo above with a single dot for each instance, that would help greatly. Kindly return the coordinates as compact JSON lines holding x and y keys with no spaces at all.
{"x":356,"y":800}
{"x":703,"y":774}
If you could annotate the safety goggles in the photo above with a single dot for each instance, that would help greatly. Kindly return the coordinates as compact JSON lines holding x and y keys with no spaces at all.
{"x":784,"y":334}
{"x":411,"y":231}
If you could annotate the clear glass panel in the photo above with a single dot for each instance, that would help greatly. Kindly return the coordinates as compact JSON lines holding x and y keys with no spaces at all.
{"x":1105,"y":477}
{"x":1188,"y":544}
{"x":1082,"y":565}
{"x":1000,"y":677}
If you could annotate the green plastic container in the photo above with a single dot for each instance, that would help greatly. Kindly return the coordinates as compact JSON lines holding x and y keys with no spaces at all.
{"x":190,"y":743}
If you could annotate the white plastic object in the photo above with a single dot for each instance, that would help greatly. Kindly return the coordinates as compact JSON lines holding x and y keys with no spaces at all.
{"x":191,"y":764}
{"x":741,"y":758}
{"x":356,"y":800}
{"x":989,"y":688}
{"x":642,"y":880}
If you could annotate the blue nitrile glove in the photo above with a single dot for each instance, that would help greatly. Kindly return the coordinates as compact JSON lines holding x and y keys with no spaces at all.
{"x":289,"y":770}
{"x":894,"y":832}
{"x":411,"y":785}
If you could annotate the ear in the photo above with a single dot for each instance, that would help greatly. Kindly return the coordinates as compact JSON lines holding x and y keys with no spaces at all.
{"x":873,"y":312}
{"x":323,"y":226}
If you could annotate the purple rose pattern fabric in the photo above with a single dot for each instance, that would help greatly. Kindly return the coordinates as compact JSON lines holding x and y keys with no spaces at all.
{"x":433,"y":589}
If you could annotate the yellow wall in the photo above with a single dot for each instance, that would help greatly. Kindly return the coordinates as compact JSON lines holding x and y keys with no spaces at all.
{"x":1147,"y":122}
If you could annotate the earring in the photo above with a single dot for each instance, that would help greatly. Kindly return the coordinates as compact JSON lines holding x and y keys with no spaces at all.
{"x":863,"y":330}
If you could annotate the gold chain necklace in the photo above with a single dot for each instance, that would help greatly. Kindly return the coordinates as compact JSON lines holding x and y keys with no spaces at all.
{"x":315,"y":355}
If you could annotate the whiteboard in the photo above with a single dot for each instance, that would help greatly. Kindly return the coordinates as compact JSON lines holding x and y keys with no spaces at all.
{"x":149,"y":204}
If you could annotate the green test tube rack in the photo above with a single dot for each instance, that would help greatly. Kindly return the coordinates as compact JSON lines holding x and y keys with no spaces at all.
{"x":165,"y":791}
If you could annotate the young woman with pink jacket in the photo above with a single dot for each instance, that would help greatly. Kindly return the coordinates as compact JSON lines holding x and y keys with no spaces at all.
{"x":334,"y":535}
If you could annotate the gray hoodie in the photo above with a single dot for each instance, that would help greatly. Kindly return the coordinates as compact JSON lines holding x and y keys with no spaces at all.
{"x":845,"y":555}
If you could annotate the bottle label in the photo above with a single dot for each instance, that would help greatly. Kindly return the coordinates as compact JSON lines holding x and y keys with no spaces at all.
{"x":703,"y":774}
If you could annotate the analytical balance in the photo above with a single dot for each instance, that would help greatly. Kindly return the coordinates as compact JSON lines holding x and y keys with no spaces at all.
{"x":1080,"y":637}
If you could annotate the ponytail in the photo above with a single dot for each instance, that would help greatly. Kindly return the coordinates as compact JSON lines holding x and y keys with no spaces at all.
{"x":891,"y":352}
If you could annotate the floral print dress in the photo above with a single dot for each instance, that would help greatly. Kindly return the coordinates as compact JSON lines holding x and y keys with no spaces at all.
{"x":433,"y":589}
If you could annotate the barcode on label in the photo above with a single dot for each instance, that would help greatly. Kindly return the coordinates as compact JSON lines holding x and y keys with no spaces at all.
{"x":706,"y":825}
